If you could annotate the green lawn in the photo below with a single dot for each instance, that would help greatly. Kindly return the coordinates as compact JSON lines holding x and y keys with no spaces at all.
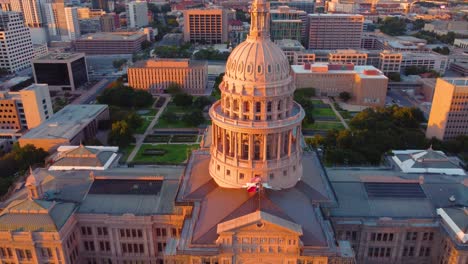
{"x":175,"y":153}
{"x":126,"y":152}
{"x":176,"y":124}
{"x":141,"y":129}
{"x":151,"y":112}
{"x":315,"y":101}
{"x":323,"y":125}
{"x":178,"y":109}
{"x":328,"y":112}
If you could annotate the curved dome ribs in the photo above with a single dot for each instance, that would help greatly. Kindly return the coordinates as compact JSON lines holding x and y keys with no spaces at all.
{"x":256,"y":129}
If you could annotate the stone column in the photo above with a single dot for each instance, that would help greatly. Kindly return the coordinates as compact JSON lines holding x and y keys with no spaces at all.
{"x":251,"y":144}
{"x":223,"y":138}
{"x":290,"y":142}
{"x":265,"y":142}
{"x":279,"y":135}
{"x":236,"y":143}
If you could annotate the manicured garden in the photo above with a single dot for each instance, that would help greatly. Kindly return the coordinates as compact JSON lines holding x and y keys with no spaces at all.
{"x":142,"y":128}
{"x":171,"y":138}
{"x":164,"y":153}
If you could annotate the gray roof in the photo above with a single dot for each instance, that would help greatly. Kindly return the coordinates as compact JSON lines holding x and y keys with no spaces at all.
{"x":35,"y":216}
{"x":355,"y":201}
{"x":66,"y":123}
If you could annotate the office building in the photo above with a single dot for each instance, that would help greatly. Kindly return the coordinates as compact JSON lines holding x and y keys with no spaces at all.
{"x":460,"y":66}
{"x":347,"y":56}
{"x":86,"y":13}
{"x":90,"y":25}
{"x":441,"y":27}
{"x":155,"y":75}
{"x":390,"y":62}
{"x":73,"y":26}
{"x":70,"y":126}
{"x":103,"y":43}
{"x":206,"y":26}
{"x":303,"y":5}
{"x":15,"y":41}
{"x":461,"y":43}
{"x":427,"y":60}
{"x":335,"y":31}
{"x":31,"y":11}
{"x":40,"y":50}
{"x":366,"y":84}
{"x":137,"y":14}
{"x":54,"y":20}
{"x":102,"y":4}
{"x":61,"y":71}
{"x":25,"y":109}
{"x":288,"y":23}
{"x":107,"y":22}
{"x":449,"y":111}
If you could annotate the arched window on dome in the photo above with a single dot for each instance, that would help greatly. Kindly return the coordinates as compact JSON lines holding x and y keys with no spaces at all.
{"x":269,"y":68}
{"x":246,"y":106}
{"x":257,"y":152}
{"x":279,"y":105}
{"x":258,"y":107}
{"x":245,"y":149}
{"x":269,"y":106}
{"x":228,"y":145}
{"x":236,"y":105}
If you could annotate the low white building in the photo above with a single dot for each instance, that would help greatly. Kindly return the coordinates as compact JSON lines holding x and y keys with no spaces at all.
{"x":84,"y":158}
{"x":426,"y":161}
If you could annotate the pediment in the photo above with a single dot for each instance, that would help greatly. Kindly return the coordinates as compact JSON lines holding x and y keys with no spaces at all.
{"x":257,"y":220}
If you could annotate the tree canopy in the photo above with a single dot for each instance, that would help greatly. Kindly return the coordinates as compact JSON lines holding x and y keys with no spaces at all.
{"x":124,"y":96}
{"x":211,"y":54}
{"x":393,"y":26}
{"x":372,"y":133}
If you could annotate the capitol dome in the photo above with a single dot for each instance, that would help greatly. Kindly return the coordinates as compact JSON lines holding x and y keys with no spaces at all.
{"x":257,"y":60}
{"x":256,"y":125}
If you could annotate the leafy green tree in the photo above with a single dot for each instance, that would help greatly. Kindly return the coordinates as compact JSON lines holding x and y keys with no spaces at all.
{"x":418,"y":24}
{"x":169,"y":116}
{"x":166,"y":8}
{"x":145,"y":44}
{"x":183,"y":99}
{"x":119,"y":63}
{"x":393,"y":26}
{"x":124,"y":96}
{"x":134,"y":120}
{"x":345,"y":96}
{"x":174,"y":88}
{"x":195,"y":118}
{"x":121,"y":134}
{"x":28,"y":155}
{"x":211,"y":54}
{"x":443,"y":50}
{"x":394,"y":76}
{"x":216,"y":92}
{"x":201,"y":101}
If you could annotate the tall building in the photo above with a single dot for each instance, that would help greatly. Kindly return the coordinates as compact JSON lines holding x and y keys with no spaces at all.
{"x":449,"y":111}
{"x":25,"y":109}
{"x":73,"y":26}
{"x":16,"y":49}
{"x":335,"y":31}
{"x":107,"y":22}
{"x":101,"y":4}
{"x":31,"y":10}
{"x":61,"y":71}
{"x":137,"y":14}
{"x":288,"y":23}
{"x":156,"y":75}
{"x":205,"y":26}
{"x":307,"y":6}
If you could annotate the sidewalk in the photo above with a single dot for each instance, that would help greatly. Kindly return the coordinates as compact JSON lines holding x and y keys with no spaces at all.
{"x":141,"y":138}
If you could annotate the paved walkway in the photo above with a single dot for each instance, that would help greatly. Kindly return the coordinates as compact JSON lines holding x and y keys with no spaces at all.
{"x":141,"y":138}
{"x":337,"y":113}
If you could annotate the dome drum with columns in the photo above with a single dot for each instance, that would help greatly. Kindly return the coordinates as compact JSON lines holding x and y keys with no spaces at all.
{"x":256,"y":127}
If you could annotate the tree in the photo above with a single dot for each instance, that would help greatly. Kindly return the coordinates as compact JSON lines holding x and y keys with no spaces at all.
{"x":195,"y":118}
{"x":418,"y":24}
{"x":121,"y":134}
{"x":174,"y":88}
{"x":443,"y":50}
{"x":393,"y":26}
{"x":124,"y":96}
{"x":169,"y":116}
{"x":166,"y":8}
{"x":183,"y":99}
{"x":134,"y":120}
{"x":145,"y":44}
{"x":201,"y":101}
{"x":118,"y":63}
{"x":394,"y":76}
{"x":345,"y":96}
{"x":28,"y":155}
{"x":216,"y":92}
